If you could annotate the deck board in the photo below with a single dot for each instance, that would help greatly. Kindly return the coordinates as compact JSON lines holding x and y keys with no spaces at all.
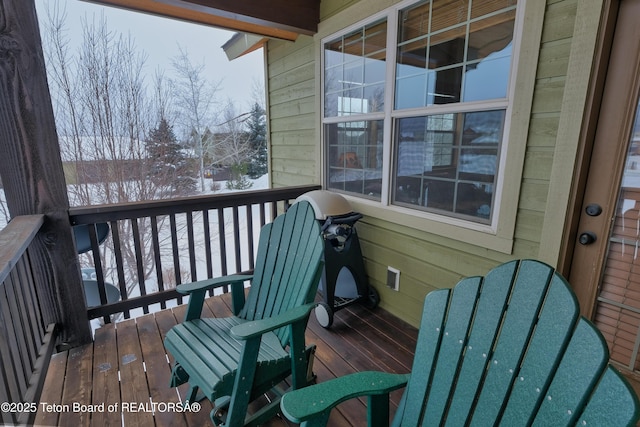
{"x":133,"y":378}
{"x":127,"y":363}
{"x":52,"y":390}
{"x":77,"y":386}
{"x":106,"y":386}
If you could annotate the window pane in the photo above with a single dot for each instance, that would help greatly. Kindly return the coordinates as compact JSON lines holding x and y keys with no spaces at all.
{"x":411,"y":92}
{"x":448,"y":162}
{"x":447,"y":86}
{"x":414,"y":21}
{"x":412,"y":59}
{"x":355,"y":157}
{"x":466,"y":44}
{"x":491,"y":36}
{"x":487,"y":79}
{"x":447,"y":48}
{"x":489,"y":56}
{"x":355,"y":69}
{"x":483,"y":7}
{"x":447,"y":13}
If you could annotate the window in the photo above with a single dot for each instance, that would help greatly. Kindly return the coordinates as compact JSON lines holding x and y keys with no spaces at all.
{"x":438,"y":112}
{"x":354,"y":87}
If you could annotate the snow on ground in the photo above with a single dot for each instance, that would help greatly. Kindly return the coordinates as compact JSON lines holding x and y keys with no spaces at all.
{"x":151,"y":283}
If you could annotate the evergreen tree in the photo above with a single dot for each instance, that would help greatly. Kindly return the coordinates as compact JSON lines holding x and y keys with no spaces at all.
{"x":238,"y":180}
{"x":257,"y":129}
{"x":168,"y":164}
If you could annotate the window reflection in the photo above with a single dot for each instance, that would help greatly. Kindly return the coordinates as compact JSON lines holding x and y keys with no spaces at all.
{"x":631,"y":177}
{"x":355,"y":157}
{"x":448,"y":162}
{"x":355,"y":70}
{"x":446,"y":60}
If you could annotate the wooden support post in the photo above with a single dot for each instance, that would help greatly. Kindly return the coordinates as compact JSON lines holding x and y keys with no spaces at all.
{"x":31,"y":168}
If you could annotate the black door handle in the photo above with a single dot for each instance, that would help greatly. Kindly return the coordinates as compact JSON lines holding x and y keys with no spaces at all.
{"x":587,"y":238}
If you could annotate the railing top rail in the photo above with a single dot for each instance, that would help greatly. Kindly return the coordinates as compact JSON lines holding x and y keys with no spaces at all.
{"x":103,"y":213}
{"x":15,"y":238}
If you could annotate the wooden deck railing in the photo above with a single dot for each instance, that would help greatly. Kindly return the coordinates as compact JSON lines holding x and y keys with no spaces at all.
{"x":154,"y":246}
{"x":26,"y":341}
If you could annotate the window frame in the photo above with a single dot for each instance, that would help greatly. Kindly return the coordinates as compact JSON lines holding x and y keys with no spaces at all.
{"x":499,"y":233}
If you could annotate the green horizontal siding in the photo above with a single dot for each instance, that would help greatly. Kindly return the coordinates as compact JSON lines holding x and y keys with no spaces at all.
{"x":292,"y":112}
{"x":426,"y":261}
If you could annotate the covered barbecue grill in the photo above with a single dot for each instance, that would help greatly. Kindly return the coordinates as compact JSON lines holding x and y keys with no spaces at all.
{"x":344,"y":280}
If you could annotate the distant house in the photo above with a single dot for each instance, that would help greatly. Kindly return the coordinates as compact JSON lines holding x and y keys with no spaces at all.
{"x":217,"y":173}
{"x":90,"y":159}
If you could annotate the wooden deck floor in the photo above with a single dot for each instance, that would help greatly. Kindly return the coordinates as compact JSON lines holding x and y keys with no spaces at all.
{"x":122,"y":378}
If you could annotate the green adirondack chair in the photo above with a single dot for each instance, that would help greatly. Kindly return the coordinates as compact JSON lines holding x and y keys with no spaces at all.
{"x":509,"y":349}
{"x":231,"y":361}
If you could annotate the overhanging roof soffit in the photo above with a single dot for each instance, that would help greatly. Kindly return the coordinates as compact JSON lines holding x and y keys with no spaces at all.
{"x":282,"y":19}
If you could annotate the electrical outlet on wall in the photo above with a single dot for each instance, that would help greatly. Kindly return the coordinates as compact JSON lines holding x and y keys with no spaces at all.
{"x":393,"y":278}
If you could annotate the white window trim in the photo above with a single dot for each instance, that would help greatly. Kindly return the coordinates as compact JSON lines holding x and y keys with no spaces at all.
{"x":499,"y":235}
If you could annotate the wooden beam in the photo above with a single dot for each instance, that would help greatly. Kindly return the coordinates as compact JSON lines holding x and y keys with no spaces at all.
{"x":301,"y":16}
{"x":31,"y":168}
{"x":275,"y":19}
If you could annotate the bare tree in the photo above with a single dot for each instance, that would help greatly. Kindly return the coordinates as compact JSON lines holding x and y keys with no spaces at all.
{"x":104,"y":113}
{"x":194,"y":96}
{"x":233,"y":146}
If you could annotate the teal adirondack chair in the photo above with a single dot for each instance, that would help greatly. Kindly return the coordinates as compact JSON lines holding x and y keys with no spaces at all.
{"x":509,"y":349}
{"x":231,"y":361}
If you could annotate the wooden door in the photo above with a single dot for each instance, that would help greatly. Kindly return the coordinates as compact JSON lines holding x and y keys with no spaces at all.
{"x":605,"y":271}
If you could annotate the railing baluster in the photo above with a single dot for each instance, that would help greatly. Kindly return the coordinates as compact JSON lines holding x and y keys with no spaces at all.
{"x":117,"y":252}
{"x":156,"y":257}
{"x":30,"y":353}
{"x":250,"y":238}
{"x":97,"y":262}
{"x":15,"y":365}
{"x":10,"y":379}
{"x":7,"y":381}
{"x":236,"y":239}
{"x":23,"y":358}
{"x":31,"y":307}
{"x":222,"y":241}
{"x":207,"y":242}
{"x":137,"y":244}
{"x":176,"y":257}
{"x":263,"y":214}
{"x":31,"y":298}
{"x":192,"y":249}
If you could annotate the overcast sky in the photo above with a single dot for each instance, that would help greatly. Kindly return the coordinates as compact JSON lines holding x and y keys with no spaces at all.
{"x":160,"y":38}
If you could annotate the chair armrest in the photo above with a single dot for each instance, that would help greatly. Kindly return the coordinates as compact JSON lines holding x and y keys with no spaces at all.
{"x":207,"y":284}
{"x":255,"y":328}
{"x":316,"y":400}
{"x":197,"y":291}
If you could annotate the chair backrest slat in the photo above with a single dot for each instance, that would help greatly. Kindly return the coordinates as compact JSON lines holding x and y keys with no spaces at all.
{"x":598,"y":410}
{"x":288,"y":265}
{"x":479,"y":351}
{"x":459,"y":315}
{"x":578,"y":373}
{"x":427,"y":346}
{"x":553,"y":331}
